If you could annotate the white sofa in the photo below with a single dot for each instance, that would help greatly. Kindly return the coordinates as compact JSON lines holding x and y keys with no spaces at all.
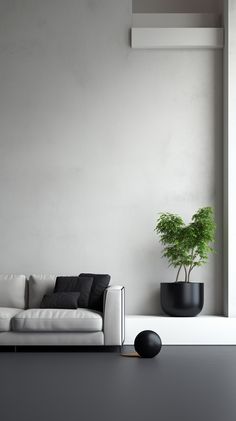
{"x":24,"y":323}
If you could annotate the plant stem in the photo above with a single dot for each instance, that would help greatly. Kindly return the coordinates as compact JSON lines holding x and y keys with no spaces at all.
{"x":189,"y":272}
{"x":186,"y":274}
{"x":191,"y":266}
{"x":177,"y":277}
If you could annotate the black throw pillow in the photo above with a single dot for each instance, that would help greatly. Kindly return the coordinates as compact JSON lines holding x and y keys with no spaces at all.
{"x":100,"y":283}
{"x":60,"y":300}
{"x":75,"y":284}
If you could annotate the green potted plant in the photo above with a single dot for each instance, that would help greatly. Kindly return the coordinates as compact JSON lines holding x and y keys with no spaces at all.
{"x":186,"y":247}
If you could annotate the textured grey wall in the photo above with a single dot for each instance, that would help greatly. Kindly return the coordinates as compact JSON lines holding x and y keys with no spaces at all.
{"x":96,"y":139}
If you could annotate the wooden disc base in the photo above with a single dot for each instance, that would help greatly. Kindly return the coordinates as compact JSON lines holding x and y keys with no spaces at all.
{"x":130,"y":354}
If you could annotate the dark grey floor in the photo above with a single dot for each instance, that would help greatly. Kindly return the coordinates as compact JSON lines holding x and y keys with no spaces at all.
{"x":182,"y":383}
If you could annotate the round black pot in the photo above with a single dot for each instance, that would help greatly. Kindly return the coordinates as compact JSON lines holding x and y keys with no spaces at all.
{"x":182,"y":299}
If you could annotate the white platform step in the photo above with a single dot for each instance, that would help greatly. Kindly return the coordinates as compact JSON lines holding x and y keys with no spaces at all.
{"x":200,"y":330}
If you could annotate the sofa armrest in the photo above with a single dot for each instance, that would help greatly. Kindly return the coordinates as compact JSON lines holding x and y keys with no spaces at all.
{"x":114,"y":315}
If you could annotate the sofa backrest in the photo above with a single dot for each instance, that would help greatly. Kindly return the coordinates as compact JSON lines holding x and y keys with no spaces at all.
{"x":39,"y":285}
{"x":13,"y":291}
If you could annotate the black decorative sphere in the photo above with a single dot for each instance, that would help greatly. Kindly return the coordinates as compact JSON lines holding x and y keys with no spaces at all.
{"x":147,"y":344}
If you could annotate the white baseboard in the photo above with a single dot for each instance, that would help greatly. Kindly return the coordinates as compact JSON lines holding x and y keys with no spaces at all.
{"x":200,"y":330}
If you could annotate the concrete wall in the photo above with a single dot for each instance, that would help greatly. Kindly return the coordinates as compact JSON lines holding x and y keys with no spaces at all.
{"x":96,"y":139}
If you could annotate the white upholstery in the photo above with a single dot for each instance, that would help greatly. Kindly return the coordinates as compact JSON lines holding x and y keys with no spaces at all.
{"x":39,"y":285}
{"x":12,"y":291}
{"x":37,"y":326}
{"x":114,"y":308}
{"x":57,"y":320}
{"x":52,"y":338}
{"x":6,"y":315}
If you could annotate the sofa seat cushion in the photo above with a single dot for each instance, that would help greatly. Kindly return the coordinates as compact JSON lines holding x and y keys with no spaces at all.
{"x":57,"y":320}
{"x":6,"y":315}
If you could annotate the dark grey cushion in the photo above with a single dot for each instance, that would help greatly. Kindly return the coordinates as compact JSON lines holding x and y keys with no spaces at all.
{"x":75,"y":284}
{"x":61,"y":300}
{"x":40,"y":285}
{"x":99,"y":284}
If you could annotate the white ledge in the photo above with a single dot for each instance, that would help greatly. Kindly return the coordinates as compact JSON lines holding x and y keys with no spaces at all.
{"x":177,"y":38}
{"x":200,"y":330}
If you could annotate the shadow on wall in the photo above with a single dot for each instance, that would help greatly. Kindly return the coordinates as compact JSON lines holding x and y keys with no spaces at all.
{"x":152,"y":269}
{"x":218,"y":176}
{"x":181,"y":6}
{"x":155,"y":301}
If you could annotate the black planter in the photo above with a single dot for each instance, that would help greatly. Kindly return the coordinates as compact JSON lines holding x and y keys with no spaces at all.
{"x":182,"y":299}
